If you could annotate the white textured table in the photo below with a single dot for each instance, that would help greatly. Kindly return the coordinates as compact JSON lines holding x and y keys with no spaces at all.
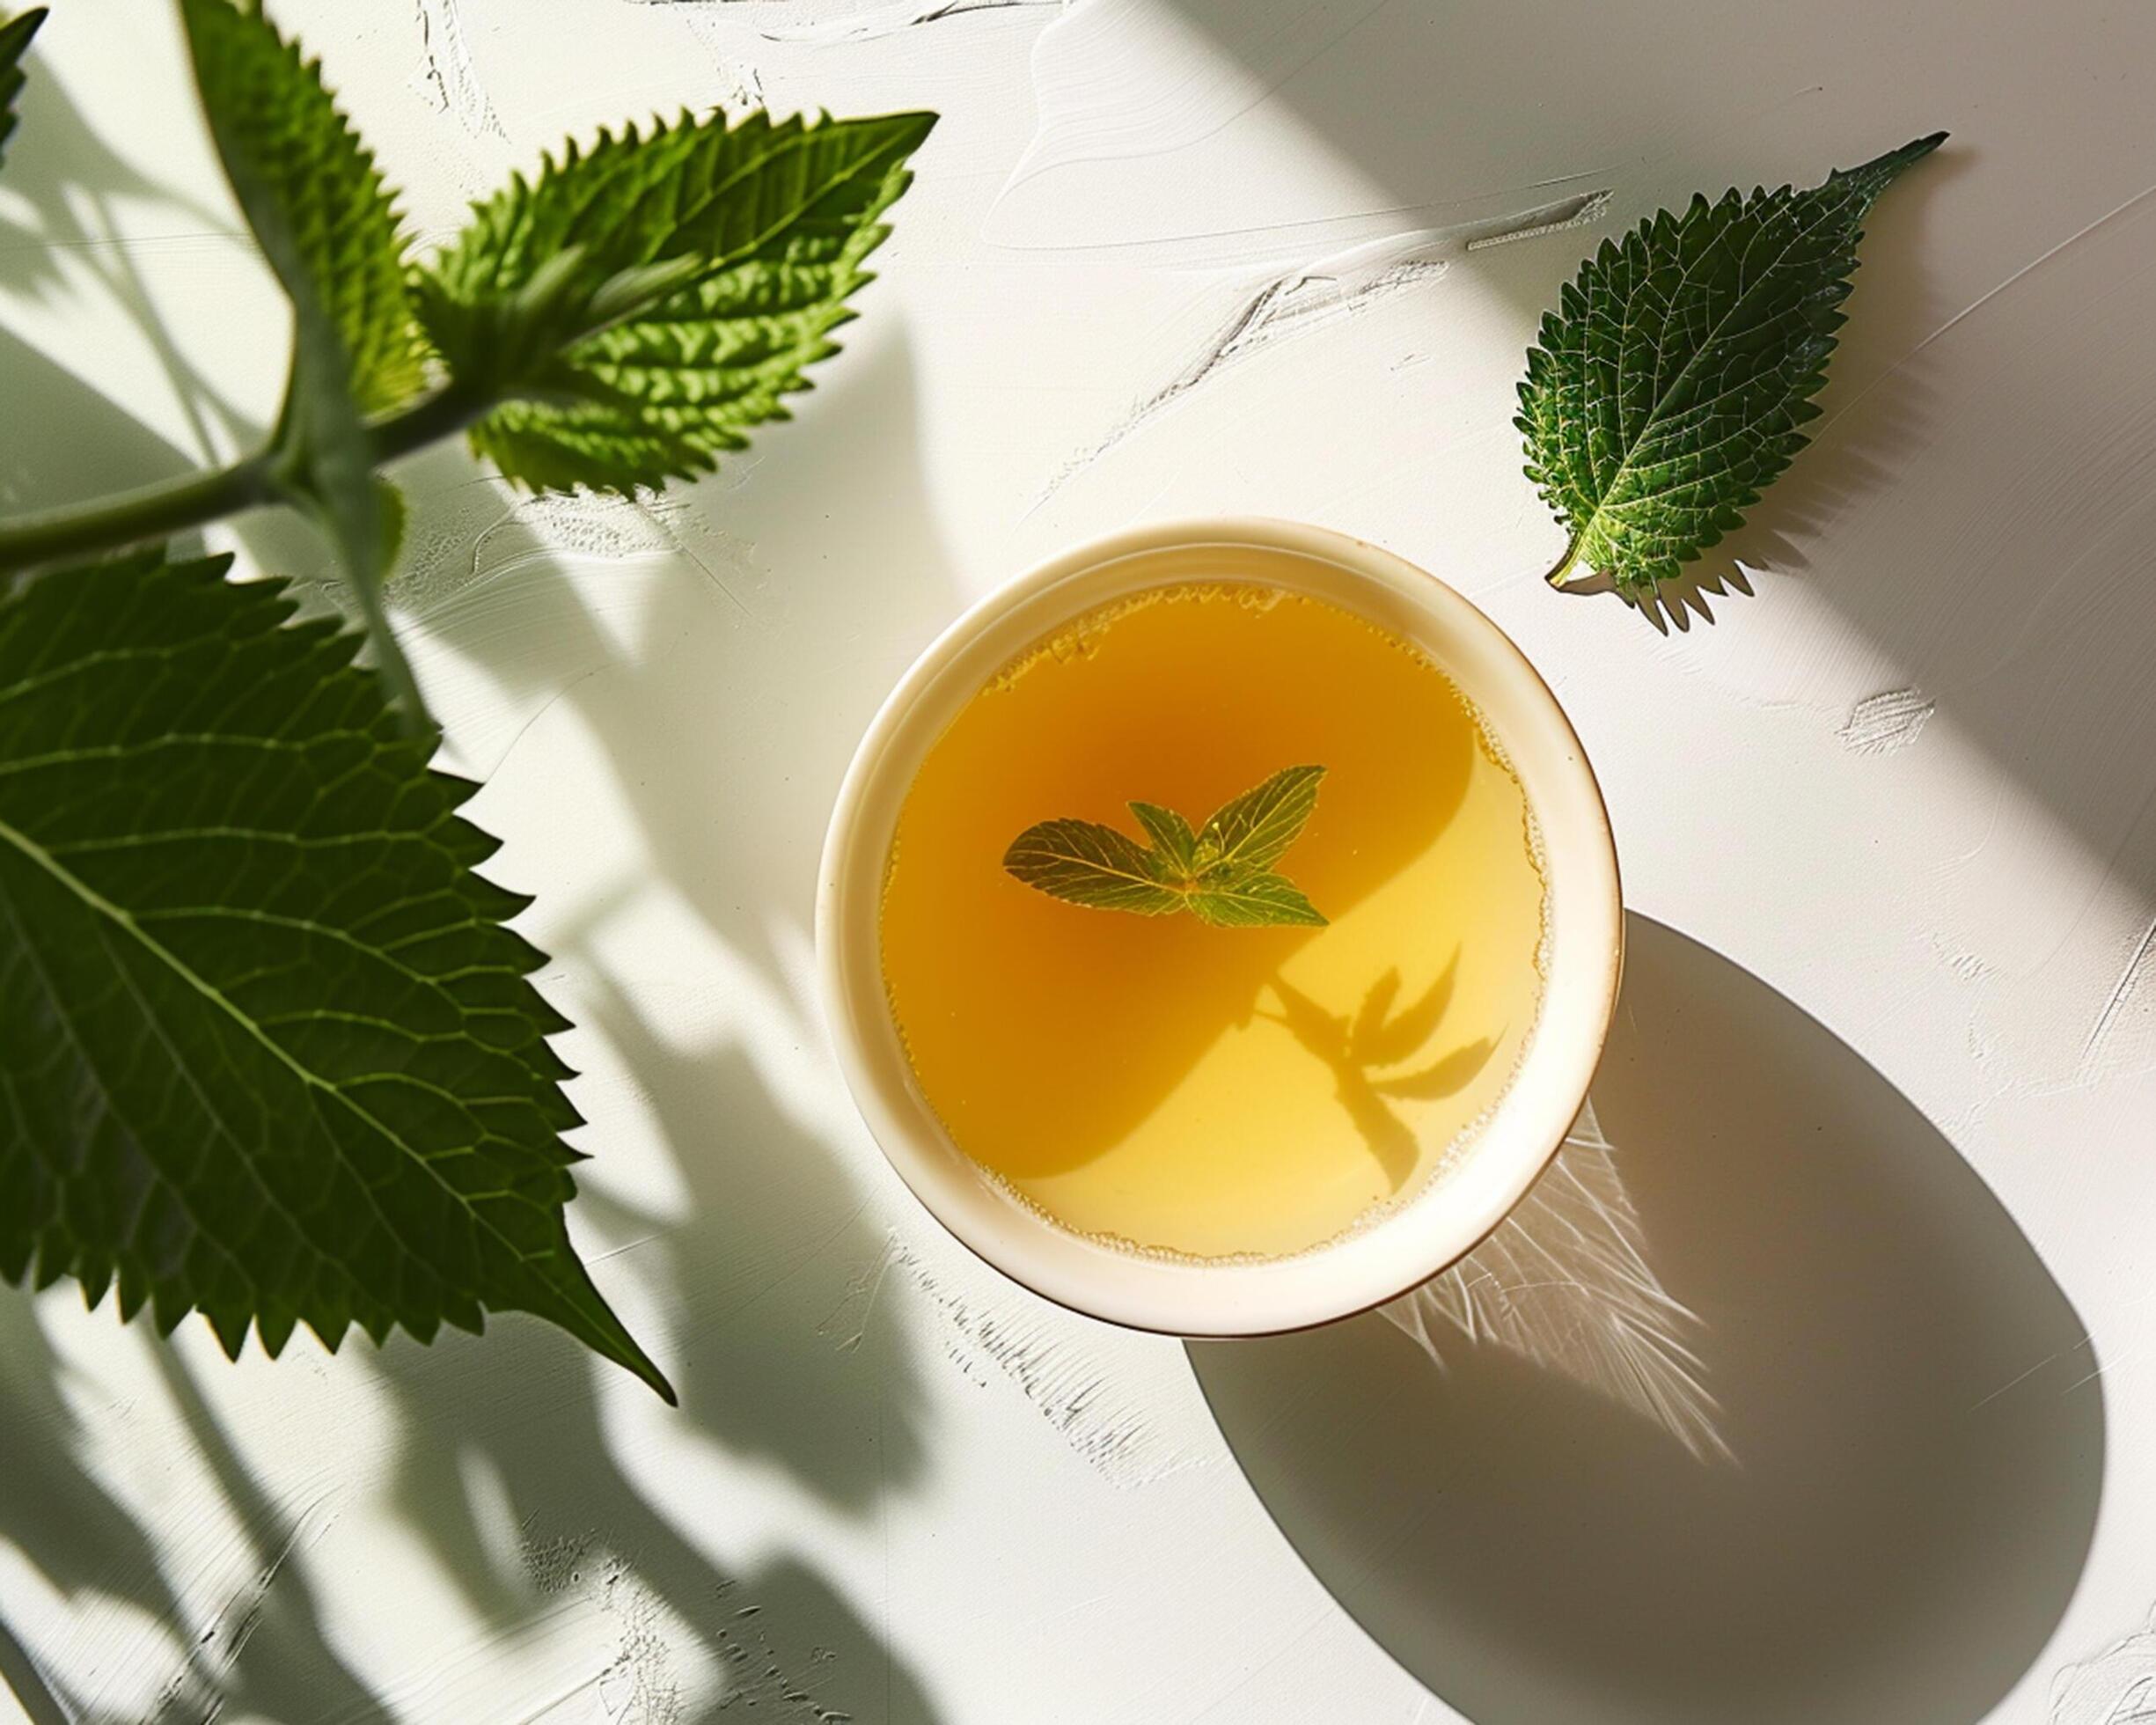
{"x":1824,"y":1395}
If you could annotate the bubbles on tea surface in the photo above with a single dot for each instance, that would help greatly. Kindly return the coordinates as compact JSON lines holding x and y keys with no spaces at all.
{"x":1080,"y":638}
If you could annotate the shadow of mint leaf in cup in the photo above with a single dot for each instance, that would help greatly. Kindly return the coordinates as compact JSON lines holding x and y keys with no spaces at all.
{"x":1672,"y":384}
{"x":1221,"y":873}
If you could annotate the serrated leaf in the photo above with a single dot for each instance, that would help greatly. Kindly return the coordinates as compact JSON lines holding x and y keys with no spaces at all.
{"x":266,"y":1049}
{"x":300,"y":170}
{"x":1253,"y":901}
{"x":1084,"y":862}
{"x":1671,"y":386}
{"x":15,"y":37}
{"x":1172,"y":838}
{"x":1253,"y":831}
{"x":650,"y":299}
{"x":316,"y":204}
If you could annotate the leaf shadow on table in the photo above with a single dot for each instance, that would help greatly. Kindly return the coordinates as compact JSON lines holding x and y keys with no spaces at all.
{"x":725,"y":747}
{"x":1976,"y":505}
{"x":514,"y":1418}
{"x":263,"y":1650}
{"x":65,"y":185}
{"x":517,"y":1411}
{"x":1878,"y":1500}
{"x":260,"y":1650}
{"x":518,"y":1407}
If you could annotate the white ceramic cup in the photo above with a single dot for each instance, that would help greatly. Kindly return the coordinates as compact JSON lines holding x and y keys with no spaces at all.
{"x":1467,"y":1197}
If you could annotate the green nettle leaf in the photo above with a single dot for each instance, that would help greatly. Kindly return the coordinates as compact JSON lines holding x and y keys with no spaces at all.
{"x":1221,"y":873}
{"x":648,"y":299}
{"x":270,"y":1052}
{"x":15,"y":36}
{"x":312,"y":194}
{"x":1671,"y":386}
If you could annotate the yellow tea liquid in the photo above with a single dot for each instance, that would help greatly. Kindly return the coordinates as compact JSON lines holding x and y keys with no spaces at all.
{"x":1206,"y":1091}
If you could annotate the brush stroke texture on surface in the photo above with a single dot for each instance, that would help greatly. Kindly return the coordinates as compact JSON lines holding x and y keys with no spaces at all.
{"x":2116,"y":1687}
{"x":826,"y":21}
{"x":1107,"y":1415}
{"x":1887,"y":723}
{"x":446,"y":75}
{"x":1315,"y":295}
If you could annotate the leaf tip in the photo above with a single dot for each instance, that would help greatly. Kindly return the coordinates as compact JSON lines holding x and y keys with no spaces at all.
{"x":1884,"y":169}
{"x":622,"y":1347}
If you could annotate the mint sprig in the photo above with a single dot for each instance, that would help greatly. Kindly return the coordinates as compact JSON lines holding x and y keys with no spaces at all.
{"x":1221,"y":872}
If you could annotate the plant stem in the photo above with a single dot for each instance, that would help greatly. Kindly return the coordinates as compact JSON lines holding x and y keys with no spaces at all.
{"x":85,"y":531}
{"x":1557,"y":576}
{"x":112,"y":523}
{"x":428,"y":420}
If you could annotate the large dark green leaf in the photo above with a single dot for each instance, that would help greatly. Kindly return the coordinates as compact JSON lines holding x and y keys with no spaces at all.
{"x":15,"y":36}
{"x":265,"y":1047}
{"x":1672,"y":384}
{"x":650,"y":298}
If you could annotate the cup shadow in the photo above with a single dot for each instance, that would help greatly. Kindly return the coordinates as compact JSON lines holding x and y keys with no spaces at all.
{"x":1908,"y":1429}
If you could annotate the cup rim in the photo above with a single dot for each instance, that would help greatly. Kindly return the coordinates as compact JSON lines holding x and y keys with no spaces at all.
{"x":1430,"y":1229}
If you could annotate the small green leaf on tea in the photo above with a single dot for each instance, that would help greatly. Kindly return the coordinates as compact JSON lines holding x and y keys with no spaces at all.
{"x":1254,"y":901}
{"x":1083,"y":862}
{"x":1254,"y":830}
{"x":1172,"y":838}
